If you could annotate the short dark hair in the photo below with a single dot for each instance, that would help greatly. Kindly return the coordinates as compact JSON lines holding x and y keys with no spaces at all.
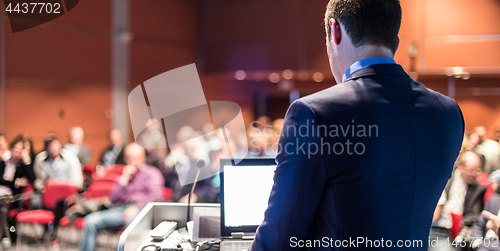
{"x":16,"y":141}
{"x":49,"y":138}
{"x":374,"y":22}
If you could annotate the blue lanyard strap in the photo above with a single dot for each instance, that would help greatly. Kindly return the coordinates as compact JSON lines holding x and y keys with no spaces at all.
{"x":366,"y":62}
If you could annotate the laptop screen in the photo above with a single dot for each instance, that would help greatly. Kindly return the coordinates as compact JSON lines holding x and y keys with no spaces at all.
{"x":245,"y":190}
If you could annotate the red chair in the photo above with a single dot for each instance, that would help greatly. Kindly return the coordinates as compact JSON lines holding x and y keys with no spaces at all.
{"x":96,"y":190}
{"x":89,"y":168}
{"x":115,"y":168}
{"x":457,"y":225}
{"x":54,"y":191}
{"x":167,"y":194}
{"x":483,"y":179}
{"x":106,"y":176}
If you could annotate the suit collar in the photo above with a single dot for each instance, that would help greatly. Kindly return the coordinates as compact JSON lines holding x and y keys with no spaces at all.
{"x":379,"y":69}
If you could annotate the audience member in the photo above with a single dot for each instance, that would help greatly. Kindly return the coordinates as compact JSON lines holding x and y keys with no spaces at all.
{"x":152,"y":136}
{"x":28,"y":155}
{"x":493,"y":164}
{"x":462,"y":195}
{"x":260,"y":142}
{"x":76,"y":146}
{"x":114,"y":152}
{"x":473,"y":141}
{"x":484,"y":238}
{"x":14,"y":174}
{"x":472,"y":145}
{"x":4,"y":148}
{"x":487,"y":147}
{"x":186,"y":161}
{"x":13,"y":178}
{"x":262,"y":122}
{"x":496,"y":135}
{"x":156,"y":157}
{"x":138,"y":185}
{"x":56,"y":164}
{"x":494,"y":179}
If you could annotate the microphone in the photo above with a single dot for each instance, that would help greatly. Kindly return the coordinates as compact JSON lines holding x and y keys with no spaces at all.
{"x":199,"y":164}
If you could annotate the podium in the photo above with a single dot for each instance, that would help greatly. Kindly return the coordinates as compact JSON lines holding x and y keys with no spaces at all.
{"x":137,"y":233}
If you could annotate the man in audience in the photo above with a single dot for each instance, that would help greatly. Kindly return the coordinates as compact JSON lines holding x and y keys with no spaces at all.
{"x":184,"y":163}
{"x":494,"y":179}
{"x":462,"y":195}
{"x":138,"y":185}
{"x":55,"y":163}
{"x":487,"y":147}
{"x":114,"y":153}
{"x":76,"y":146}
{"x":493,"y":163}
{"x":496,"y":136}
{"x":484,"y":238}
{"x":13,"y":178}
{"x":14,"y":172}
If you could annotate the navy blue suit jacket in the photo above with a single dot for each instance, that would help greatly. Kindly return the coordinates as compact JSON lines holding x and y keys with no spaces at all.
{"x":379,"y":181}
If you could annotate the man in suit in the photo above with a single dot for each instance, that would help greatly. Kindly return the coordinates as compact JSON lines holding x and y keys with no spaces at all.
{"x":76,"y":146}
{"x":114,"y":153}
{"x":463,"y":195}
{"x":361,"y":164}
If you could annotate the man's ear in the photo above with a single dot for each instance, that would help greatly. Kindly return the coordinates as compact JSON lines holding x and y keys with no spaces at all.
{"x":397,"y":45}
{"x":335,"y":30}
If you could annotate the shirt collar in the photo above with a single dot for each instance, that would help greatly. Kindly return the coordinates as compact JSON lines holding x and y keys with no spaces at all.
{"x":366,"y":62}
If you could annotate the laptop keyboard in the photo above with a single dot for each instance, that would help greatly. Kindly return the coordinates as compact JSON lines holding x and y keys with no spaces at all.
{"x":232,"y":245}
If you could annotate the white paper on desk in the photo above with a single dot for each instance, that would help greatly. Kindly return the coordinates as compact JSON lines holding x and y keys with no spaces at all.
{"x":206,"y":224}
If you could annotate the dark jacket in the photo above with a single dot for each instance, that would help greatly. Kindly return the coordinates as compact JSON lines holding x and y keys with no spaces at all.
{"x":379,"y":181}
{"x":120,"y":159}
{"x":21,"y":171}
{"x":473,"y":202}
{"x":479,"y":228}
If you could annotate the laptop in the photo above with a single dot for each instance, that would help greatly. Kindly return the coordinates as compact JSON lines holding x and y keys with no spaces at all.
{"x":244,"y":194}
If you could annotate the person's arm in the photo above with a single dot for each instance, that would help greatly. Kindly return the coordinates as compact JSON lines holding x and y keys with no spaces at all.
{"x":40,"y":175}
{"x":439,"y":207}
{"x":120,"y":191}
{"x":101,"y":159}
{"x":86,"y":155}
{"x":75,"y":169}
{"x":21,"y":176}
{"x":6,"y":183}
{"x":493,"y":221}
{"x":3,"y":182}
{"x":437,"y":213}
{"x":298,"y":182}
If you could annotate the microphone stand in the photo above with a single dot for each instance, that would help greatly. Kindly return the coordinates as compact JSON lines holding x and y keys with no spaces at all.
{"x":199,"y":164}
